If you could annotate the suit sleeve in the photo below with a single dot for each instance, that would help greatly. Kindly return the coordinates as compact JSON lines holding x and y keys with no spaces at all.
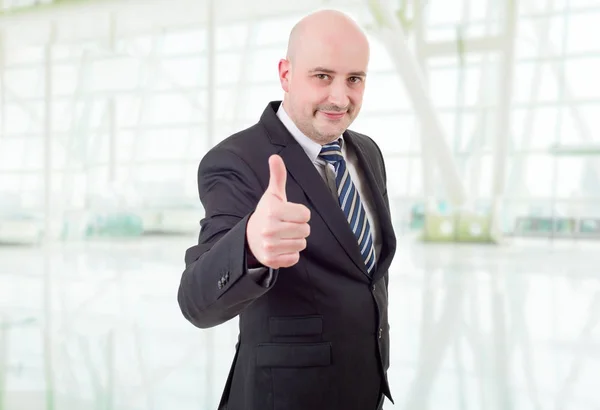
{"x":383,"y":169}
{"x":216,"y":285}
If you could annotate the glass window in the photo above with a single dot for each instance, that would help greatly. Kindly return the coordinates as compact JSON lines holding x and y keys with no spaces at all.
{"x":569,"y":176}
{"x":537,"y":175}
{"x":439,"y":11}
{"x":384,"y":93}
{"x":115,"y":74}
{"x":24,"y":118}
{"x":25,"y":83}
{"x":583,"y":32}
{"x":588,"y":121}
{"x":534,"y":128}
{"x":404,"y":177}
{"x":228,"y":68}
{"x":23,"y":54}
{"x":536,"y":82}
{"x":172,"y":108}
{"x":180,"y":73}
{"x":232,"y":36}
{"x":65,"y":79}
{"x":581,"y":74}
{"x":184,"y":41}
{"x":262,"y":65}
{"x":394,"y":133}
{"x":273,"y":31}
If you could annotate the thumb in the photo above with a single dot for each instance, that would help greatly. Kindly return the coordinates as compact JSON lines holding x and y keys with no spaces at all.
{"x":278,"y":177}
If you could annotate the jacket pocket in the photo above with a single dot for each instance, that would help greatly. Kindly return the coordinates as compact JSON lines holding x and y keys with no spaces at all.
{"x":302,"y":374}
{"x":293,"y":354}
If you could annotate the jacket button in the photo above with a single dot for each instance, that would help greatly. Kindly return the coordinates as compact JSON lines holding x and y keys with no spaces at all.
{"x":380,"y":332}
{"x":373,"y":288}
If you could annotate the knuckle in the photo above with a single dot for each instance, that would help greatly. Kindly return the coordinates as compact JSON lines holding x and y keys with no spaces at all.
{"x":306,"y":214}
{"x":268,"y":246}
{"x":267,"y":231}
{"x":302,"y":244}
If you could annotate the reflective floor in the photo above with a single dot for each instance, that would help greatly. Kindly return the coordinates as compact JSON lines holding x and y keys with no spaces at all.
{"x":473,"y":327}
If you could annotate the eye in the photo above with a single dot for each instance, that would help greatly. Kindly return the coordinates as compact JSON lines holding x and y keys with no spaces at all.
{"x":322,"y":76}
{"x":355,"y":80}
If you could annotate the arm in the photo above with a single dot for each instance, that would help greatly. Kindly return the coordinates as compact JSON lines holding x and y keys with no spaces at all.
{"x":384,"y":171}
{"x":216,"y":284}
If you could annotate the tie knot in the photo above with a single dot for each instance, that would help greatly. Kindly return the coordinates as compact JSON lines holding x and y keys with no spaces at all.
{"x":332,"y":152}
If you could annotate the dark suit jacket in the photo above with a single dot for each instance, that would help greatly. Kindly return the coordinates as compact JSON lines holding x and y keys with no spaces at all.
{"x":316,"y":337}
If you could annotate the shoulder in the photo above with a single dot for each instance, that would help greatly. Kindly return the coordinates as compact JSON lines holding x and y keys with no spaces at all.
{"x":242,"y":143}
{"x":244,"y":152}
{"x":373,"y":153}
{"x":368,"y":144}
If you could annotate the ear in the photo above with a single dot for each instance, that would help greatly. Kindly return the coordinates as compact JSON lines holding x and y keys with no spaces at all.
{"x":284,"y":74}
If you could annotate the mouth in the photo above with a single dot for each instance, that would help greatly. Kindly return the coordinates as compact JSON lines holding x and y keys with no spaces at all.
{"x":333,"y":115}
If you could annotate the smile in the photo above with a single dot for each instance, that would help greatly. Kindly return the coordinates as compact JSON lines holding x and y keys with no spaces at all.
{"x":333,"y":115}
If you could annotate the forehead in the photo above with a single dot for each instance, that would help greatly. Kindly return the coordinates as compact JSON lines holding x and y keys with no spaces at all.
{"x":333,"y":54}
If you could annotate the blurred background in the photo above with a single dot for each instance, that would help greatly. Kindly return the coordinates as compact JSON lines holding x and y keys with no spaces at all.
{"x":488,"y":115}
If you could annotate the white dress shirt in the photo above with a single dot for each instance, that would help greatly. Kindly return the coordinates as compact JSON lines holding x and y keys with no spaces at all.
{"x":327,"y":172}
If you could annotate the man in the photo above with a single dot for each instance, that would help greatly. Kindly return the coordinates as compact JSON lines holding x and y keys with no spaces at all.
{"x":297,"y":237}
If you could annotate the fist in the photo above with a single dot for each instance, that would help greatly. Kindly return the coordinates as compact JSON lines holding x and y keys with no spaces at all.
{"x":277,"y":230}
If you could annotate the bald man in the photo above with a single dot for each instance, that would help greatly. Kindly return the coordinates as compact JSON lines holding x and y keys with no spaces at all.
{"x":297,"y":237}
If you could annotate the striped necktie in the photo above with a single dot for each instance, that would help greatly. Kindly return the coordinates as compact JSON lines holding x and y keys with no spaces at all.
{"x":350,"y":202}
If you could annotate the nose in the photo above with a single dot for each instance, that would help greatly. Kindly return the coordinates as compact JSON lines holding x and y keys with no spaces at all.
{"x":338,"y":95}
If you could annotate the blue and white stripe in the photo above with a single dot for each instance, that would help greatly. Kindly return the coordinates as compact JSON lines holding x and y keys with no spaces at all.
{"x":350,"y":202}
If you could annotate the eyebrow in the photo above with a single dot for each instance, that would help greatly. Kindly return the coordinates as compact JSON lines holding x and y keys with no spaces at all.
{"x":329,"y":71}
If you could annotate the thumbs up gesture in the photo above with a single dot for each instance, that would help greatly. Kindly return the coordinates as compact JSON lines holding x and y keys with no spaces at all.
{"x":277,"y":230}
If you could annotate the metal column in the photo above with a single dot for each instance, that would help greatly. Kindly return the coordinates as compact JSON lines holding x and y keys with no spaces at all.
{"x":503,"y":127}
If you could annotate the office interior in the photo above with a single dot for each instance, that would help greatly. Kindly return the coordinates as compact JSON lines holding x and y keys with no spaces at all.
{"x":488,"y":116}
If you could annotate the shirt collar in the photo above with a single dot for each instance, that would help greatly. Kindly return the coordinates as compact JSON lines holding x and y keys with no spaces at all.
{"x":311,"y":147}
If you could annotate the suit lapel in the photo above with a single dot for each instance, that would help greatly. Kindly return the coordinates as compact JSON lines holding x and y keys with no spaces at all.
{"x":380,"y":207}
{"x":304,"y":173}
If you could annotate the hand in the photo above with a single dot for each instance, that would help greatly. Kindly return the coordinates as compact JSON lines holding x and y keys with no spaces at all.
{"x":277,"y":230}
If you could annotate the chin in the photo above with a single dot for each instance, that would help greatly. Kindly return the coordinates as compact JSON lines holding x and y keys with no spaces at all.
{"x":328,"y":135}
{"x":337,"y":129}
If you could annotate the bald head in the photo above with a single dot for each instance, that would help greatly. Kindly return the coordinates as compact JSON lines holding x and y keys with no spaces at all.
{"x":320,"y":26}
{"x":324,"y":74}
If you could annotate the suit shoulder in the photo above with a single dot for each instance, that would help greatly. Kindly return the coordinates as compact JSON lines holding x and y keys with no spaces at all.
{"x":245,"y":152}
{"x":366,"y":140}
{"x":243,"y":141}
{"x":375,"y":152}
{"x":247,"y":144}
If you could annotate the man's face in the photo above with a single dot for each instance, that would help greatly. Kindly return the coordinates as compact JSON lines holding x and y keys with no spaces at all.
{"x":324,"y":84}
